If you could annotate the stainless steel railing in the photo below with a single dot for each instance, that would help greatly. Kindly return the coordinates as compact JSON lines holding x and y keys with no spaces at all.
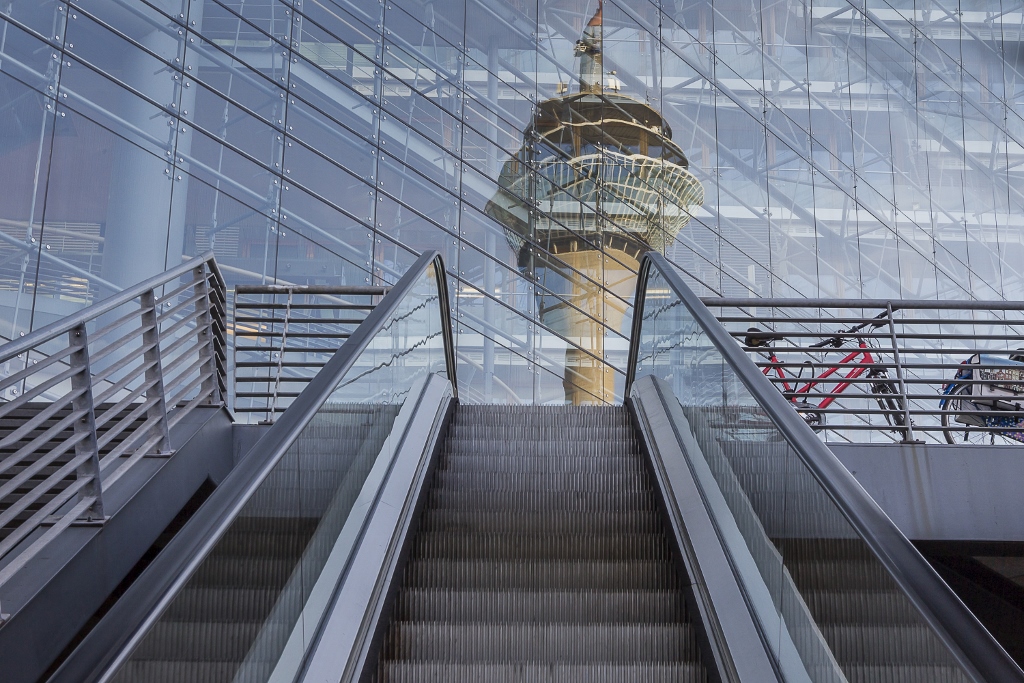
{"x":890,"y":370}
{"x":86,"y":398}
{"x":284,"y":334}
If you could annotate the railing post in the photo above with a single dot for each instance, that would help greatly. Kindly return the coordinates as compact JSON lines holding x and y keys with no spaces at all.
{"x":85,"y":425}
{"x":207,"y":338}
{"x":154,"y":370}
{"x":908,"y":432}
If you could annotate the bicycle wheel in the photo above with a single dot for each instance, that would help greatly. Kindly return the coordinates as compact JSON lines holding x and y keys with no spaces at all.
{"x":960,"y":421}
{"x":891,"y":403}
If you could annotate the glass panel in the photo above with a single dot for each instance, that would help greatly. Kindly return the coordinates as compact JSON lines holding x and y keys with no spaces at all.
{"x":818,"y":592}
{"x":272,"y":574}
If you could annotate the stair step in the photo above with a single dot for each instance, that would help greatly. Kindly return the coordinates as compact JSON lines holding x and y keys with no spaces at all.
{"x":149,"y":671}
{"x":826,"y":573}
{"x":878,"y":643}
{"x":519,"y":546}
{"x":222,"y":604}
{"x":639,"y":672}
{"x":196,"y":641}
{"x":903,"y":673}
{"x":553,"y":481}
{"x":531,"y":500}
{"x":455,"y":605}
{"x":861,"y":607}
{"x":548,"y":642}
{"x":541,"y":575}
{"x":531,"y":463}
{"x":454,"y":520}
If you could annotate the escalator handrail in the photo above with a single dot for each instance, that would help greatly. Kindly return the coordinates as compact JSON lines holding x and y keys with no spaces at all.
{"x":968,"y":641}
{"x":135,"y":611}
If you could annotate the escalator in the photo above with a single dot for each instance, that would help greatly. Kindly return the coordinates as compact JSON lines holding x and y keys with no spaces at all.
{"x":541,"y":556}
{"x":382,"y":532}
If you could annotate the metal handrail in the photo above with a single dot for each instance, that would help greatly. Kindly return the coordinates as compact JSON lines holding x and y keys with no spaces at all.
{"x":103,"y":387}
{"x":131,"y":616}
{"x":322,"y":337}
{"x":916,"y":345}
{"x":968,"y":641}
{"x":906,"y":304}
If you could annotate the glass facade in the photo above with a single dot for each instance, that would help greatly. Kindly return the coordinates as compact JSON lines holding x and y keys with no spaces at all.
{"x":842,"y":148}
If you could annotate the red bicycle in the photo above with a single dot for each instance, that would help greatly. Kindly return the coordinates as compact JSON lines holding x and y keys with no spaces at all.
{"x":801,"y":391}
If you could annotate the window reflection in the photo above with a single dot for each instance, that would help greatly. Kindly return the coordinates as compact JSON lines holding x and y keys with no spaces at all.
{"x":841,"y":153}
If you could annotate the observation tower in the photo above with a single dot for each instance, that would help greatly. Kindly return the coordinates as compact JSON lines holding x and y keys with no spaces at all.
{"x":597,"y":182}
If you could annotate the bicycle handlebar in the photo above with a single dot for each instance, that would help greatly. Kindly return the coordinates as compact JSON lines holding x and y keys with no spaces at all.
{"x":759,"y":338}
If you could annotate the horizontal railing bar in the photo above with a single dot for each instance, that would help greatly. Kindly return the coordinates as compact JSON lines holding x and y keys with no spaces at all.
{"x":39,"y":418}
{"x":298,"y":335}
{"x":35,"y":520}
{"x":169,"y":331}
{"x":262,"y":351}
{"x":122,"y":420}
{"x":365,"y":290}
{"x":883,"y":304}
{"x":39,"y":389}
{"x":255,"y":306}
{"x":192,"y":337}
{"x":181,"y":393}
{"x":885,"y":350}
{"x":280,"y":394}
{"x":171,"y":379}
{"x":284,"y":364}
{"x":301,"y":324}
{"x":178,"y":414}
{"x":936,"y":336}
{"x":172,"y":363}
{"x":172,"y":297}
{"x":41,"y":464}
{"x":36,"y":367}
{"x":131,"y":356}
{"x":271,"y":321}
{"x":271,"y":349}
{"x":20,"y":505}
{"x":141,"y":451}
{"x":885,"y":429}
{"x":880,"y":411}
{"x":128,"y":355}
{"x":146,"y":428}
{"x":133,"y":316}
{"x":64,"y":325}
{"x":872,"y":321}
{"x":23,"y":558}
{"x":112,"y":390}
{"x":173,"y":319}
{"x":326,"y":322}
{"x":919,"y":357}
{"x":17,"y":458}
{"x":911,"y":378}
{"x":291,"y":379}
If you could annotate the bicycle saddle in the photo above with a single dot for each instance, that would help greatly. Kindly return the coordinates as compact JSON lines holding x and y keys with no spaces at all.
{"x":757,"y":337}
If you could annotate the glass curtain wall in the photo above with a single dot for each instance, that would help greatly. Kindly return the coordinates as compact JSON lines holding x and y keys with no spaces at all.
{"x":845,"y":148}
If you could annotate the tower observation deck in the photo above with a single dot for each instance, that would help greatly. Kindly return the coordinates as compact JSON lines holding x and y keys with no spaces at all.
{"x":597,"y":182}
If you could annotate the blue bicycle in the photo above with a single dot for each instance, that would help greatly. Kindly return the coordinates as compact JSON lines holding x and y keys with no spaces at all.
{"x":985,"y":400}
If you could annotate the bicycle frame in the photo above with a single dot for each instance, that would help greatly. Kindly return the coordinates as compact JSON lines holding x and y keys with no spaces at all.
{"x":794,"y":394}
